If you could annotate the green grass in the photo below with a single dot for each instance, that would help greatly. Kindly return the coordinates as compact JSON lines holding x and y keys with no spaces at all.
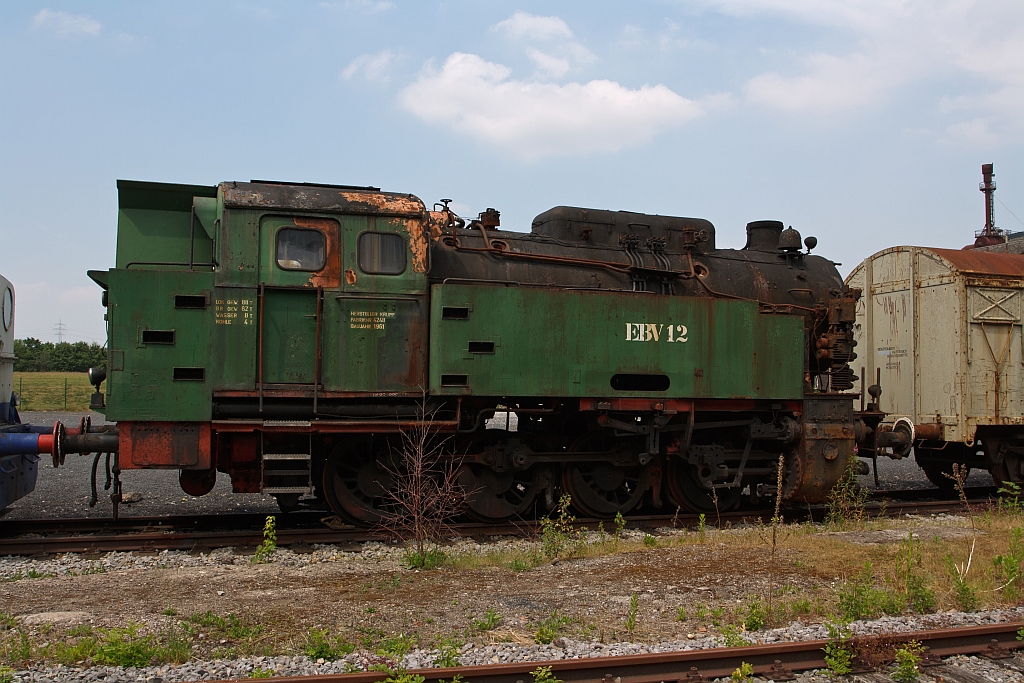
{"x":45,"y":390}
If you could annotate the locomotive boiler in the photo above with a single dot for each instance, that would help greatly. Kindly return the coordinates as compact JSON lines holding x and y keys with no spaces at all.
{"x":285,"y":334}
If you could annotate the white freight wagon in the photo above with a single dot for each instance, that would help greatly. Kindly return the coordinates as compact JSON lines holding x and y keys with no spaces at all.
{"x":19,"y":465}
{"x":940,"y":331}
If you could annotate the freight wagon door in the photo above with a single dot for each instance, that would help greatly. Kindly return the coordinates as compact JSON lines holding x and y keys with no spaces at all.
{"x":378,"y":323}
{"x":299,"y":258}
{"x":995,"y":353}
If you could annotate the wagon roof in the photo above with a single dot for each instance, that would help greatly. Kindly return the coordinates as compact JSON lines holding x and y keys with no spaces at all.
{"x":983,"y":262}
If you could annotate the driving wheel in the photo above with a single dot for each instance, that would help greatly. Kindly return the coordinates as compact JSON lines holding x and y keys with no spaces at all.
{"x":686,"y":486}
{"x":602,"y":489}
{"x":356,"y":485}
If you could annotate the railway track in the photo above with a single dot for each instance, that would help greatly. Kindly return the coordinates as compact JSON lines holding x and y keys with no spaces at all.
{"x":299,"y":531}
{"x":778,"y":661}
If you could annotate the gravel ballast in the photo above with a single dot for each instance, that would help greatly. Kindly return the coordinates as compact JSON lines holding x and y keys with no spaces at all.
{"x":506,"y":653}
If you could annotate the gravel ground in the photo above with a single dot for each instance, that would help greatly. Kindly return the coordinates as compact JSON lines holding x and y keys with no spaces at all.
{"x":563,"y":648}
{"x":905,"y":474}
{"x":64,"y":492}
{"x":349,"y":591}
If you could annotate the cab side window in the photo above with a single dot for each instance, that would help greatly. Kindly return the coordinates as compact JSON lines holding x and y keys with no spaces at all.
{"x":381,"y":253}
{"x":301,"y":249}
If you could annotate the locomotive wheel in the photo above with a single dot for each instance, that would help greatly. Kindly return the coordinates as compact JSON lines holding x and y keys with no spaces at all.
{"x":602,"y":489}
{"x":496,"y":496}
{"x":687,"y":491}
{"x":356,"y":486}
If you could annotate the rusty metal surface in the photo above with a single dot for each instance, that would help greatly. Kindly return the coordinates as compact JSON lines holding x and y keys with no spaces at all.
{"x":320,"y":198}
{"x":558,"y":254}
{"x":984,"y":262}
{"x":777,"y":661}
{"x":328,"y":277}
{"x":164,"y":444}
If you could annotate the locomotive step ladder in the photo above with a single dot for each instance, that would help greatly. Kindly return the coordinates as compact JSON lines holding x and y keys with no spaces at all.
{"x":287,"y":473}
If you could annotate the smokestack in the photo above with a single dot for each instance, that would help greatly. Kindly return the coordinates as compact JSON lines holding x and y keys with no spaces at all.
{"x":990,"y":234}
{"x":988,"y":187}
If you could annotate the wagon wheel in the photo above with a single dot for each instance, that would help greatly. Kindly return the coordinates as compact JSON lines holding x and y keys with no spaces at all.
{"x":602,"y":489}
{"x":356,"y":486}
{"x":938,"y":462}
{"x":688,"y":491}
{"x":493,"y":496}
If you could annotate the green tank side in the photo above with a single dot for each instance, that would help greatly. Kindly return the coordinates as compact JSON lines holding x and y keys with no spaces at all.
{"x":511,"y":341}
{"x":159,"y":350}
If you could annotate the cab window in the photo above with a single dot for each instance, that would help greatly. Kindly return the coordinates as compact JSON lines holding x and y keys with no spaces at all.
{"x":301,"y":249}
{"x":381,"y":253}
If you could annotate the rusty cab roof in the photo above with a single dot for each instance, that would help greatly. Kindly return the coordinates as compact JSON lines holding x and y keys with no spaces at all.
{"x":262,"y":194}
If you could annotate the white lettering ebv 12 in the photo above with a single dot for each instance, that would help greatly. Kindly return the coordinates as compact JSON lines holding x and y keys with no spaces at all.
{"x":653,"y":332}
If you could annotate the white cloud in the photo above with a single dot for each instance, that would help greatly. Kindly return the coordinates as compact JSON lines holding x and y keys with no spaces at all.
{"x":371,"y":67}
{"x":532,"y":119}
{"x":259,"y":13}
{"x":526,"y":26}
{"x":560,"y":53}
{"x":65,"y":24}
{"x":973,"y":134}
{"x":831,"y":84}
{"x":551,"y":66}
{"x":369,"y":6}
{"x":975,"y":44}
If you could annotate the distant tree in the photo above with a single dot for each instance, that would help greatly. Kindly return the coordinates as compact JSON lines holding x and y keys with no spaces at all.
{"x":37,"y":356}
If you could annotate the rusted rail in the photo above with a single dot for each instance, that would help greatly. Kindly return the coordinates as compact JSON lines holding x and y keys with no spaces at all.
{"x":204,"y":533}
{"x":778,"y":661}
{"x":312,"y":518}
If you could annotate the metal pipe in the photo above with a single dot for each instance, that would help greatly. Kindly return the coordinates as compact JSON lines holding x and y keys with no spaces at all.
{"x":91,"y":443}
{"x":19,"y":443}
{"x":259,"y":346}
{"x":192,"y":235}
{"x":168,"y":263}
{"x":92,"y":481}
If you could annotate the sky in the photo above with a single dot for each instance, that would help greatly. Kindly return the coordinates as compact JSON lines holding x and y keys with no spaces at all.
{"x":862,"y":122}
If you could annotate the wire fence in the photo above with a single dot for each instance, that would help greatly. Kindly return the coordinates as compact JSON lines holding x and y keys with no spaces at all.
{"x":68,"y":391}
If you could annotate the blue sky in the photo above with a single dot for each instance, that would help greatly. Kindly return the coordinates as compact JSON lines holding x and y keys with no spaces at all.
{"x":862,"y":122}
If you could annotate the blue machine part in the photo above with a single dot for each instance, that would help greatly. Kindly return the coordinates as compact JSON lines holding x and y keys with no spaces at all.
{"x":17,"y":477}
{"x":8,"y":411}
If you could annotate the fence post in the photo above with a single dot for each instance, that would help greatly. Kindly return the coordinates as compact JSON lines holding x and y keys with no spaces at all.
{"x":65,"y":393}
